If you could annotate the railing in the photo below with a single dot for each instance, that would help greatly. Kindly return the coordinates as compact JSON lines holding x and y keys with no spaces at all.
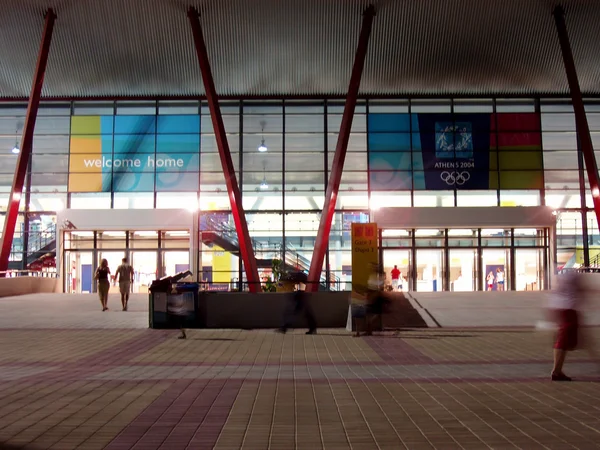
{"x":28,"y":273}
{"x":36,"y":241}
{"x":41,"y":239}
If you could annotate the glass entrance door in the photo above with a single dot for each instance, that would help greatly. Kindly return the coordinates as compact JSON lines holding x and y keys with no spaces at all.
{"x":174,"y":262}
{"x":79,"y":272}
{"x":401,"y":259}
{"x":430,"y":270}
{"x":496,"y":269}
{"x":463,"y":270}
{"x":144,"y":265}
{"x":529,"y":269}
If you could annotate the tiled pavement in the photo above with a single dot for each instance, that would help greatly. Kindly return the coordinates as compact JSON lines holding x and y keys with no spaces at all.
{"x":125,"y":387}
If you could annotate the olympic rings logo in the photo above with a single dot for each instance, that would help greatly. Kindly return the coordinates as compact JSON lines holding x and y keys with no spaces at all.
{"x":452,"y":178}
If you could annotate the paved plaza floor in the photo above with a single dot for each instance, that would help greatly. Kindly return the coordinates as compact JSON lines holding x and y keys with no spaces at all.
{"x":74,"y":377}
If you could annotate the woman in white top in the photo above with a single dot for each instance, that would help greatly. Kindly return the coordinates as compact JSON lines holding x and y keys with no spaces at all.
{"x":500,"y":279}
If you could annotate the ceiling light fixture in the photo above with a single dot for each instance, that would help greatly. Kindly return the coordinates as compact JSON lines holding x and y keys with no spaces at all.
{"x":262,"y":147}
{"x":15,"y":150}
{"x":264,"y":185}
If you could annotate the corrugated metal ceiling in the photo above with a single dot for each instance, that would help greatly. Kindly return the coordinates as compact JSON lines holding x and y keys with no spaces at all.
{"x":130,"y":48}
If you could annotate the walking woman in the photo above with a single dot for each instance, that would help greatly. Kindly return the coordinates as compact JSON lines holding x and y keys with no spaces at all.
{"x":102,"y":275}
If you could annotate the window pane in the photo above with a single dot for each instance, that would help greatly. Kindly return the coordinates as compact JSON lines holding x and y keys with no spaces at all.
{"x":90,"y":201}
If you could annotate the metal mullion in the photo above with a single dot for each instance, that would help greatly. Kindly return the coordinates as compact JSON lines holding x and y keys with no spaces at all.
{"x":455,"y":189}
{"x":538,"y":111}
{"x":495,"y":113}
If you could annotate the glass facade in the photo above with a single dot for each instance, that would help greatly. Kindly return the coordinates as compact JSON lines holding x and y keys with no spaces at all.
{"x":402,"y":152}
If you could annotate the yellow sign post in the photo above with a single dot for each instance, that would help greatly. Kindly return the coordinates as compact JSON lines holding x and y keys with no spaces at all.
{"x":365,"y":254}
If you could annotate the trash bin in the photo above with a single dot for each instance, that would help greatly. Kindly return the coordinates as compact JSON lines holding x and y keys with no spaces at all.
{"x":288,"y":282}
{"x":170,"y":299}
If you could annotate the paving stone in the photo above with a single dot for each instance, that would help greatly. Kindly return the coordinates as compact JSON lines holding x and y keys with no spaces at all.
{"x":95,"y":384}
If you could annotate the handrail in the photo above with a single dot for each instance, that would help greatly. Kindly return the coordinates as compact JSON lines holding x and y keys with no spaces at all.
{"x":28,"y":273}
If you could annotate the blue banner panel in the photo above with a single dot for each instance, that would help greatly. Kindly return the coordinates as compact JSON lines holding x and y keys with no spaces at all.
{"x":133,"y":182}
{"x":177,"y":181}
{"x":131,"y":144}
{"x":457,"y":155}
{"x":178,"y":124}
{"x":135,"y":124}
{"x":388,"y":123}
{"x":175,"y":162}
{"x":181,"y":143}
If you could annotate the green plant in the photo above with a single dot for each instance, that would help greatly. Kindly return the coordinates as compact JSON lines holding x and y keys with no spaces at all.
{"x":278,"y":269}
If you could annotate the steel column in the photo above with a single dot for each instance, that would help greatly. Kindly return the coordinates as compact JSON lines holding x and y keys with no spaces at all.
{"x":12,"y":212}
{"x":316,"y":264}
{"x":581,"y":123}
{"x":233,"y":189}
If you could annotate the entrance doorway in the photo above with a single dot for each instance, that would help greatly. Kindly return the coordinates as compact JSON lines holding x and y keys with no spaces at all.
{"x":153,"y":254}
{"x":463,"y":270}
{"x":430,"y":270}
{"x":529,"y":270}
{"x":496,"y":269}
{"x":144,"y":265}
{"x":402,"y":259}
{"x":79,"y":272}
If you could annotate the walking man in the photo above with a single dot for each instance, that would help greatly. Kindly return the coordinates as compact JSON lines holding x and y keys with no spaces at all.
{"x":124,"y":275}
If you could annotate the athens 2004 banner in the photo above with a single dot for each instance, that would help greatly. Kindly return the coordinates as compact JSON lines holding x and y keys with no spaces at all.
{"x":134,"y":153}
{"x":460,"y":151}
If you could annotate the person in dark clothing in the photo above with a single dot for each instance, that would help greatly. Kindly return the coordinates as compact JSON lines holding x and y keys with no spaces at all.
{"x":300,"y":304}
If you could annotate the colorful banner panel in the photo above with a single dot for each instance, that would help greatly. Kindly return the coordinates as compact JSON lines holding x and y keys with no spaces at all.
{"x":455,"y":151}
{"x":134,"y":153}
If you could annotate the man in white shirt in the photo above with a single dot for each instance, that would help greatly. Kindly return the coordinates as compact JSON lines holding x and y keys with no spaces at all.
{"x":124,"y":275}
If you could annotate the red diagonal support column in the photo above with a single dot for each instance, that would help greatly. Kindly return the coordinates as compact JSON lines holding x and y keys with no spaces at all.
{"x":316,"y":264}
{"x":235,"y":198}
{"x":581,"y":123}
{"x":26,"y":142}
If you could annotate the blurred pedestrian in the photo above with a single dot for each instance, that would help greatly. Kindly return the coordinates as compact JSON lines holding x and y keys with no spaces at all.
{"x":177,"y":309}
{"x":376,"y":299}
{"x":102,"y":275}
{"x":565,"y":304}
{"x":299,"y":304}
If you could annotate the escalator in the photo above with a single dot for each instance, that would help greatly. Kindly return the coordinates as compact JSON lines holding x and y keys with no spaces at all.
{"x":218,"y":233}
{"x":41,"y":246}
